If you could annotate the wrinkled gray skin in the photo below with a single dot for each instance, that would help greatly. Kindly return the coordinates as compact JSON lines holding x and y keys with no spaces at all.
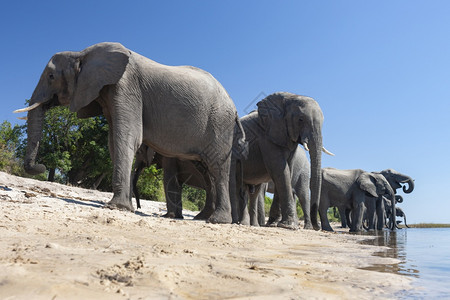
{"x":348,"y":188}
{"x":176,"y":173}
{"x":282,"y":121}
{"x":139,"y":98}
{"x":300,"y":169}
{"x":375,"y":209}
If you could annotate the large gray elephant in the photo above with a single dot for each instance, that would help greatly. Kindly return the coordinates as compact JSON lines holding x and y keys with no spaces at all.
{"x":348,"y":188}
{"x":179,"y":111}
{"x":176,"y":173}
{"x":282,"y":121}
{"x":300,"y":169}
{"x":375,"y":209}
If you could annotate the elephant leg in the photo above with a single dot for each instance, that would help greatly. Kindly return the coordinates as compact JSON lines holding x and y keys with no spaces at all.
{"x":236,"y":189}
{"x":282,"y":181}
{"x":208,"y":210}
{"x":381,"y":214}
{"x":254,"y":199}
{"x":261,"y":209}
{"x":343,"y":216}
{"x":172,"y":189}
{"x":357,"y":216}
{"x":277,"y":166}
{"x":348,"y":216}
{"x":220,"y":178}
{"x":372,"y":212}
{"x":323,"y":208}
{"x":302,"y":192}
{"x":126,"y":138}
{"x":275,"y":211}
{"x":245,"y":214}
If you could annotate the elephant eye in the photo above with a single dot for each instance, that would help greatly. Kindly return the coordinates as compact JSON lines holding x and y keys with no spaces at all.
{"x":51,"y":76}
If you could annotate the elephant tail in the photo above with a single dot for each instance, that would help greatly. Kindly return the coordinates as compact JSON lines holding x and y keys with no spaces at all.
{"x":136,"y":174}
{"x":240,"y":145}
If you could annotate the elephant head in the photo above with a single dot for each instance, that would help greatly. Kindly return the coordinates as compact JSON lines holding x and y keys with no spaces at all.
{"x":288,"y":120}
{"x":375,"y":185}
{"x":72,"y":79}
{"x":396,"y":180}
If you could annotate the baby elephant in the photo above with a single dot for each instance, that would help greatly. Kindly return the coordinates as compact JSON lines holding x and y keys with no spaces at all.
{"x":349,"y":188}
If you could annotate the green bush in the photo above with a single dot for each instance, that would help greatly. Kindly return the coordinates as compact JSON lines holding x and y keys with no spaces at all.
{"x":150,"y":184}
{"x":193,"y":199}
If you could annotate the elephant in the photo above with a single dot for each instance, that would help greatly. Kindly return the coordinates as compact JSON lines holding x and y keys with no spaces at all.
{"x":176,"y":173}
{"x":375,"y":209}
{"x":398,"y":211}
{"x":348,"y":188}
{"x":300,"y":169}
{"x":172,"y":109}
{"x":281,"y":122}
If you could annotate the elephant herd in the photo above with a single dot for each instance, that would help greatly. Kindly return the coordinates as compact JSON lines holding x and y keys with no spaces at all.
{"x":182,"y":119}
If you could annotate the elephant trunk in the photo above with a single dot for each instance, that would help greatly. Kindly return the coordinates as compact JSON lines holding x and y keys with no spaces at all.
{"x":404,"y":218}
{"x":410,"y":188}
{"x":34,"y":135}
{"x":35,"y":121}
{"x":316,"y":177}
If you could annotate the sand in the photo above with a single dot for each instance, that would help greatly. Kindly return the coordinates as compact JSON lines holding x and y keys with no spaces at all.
{"x":59,"y":242}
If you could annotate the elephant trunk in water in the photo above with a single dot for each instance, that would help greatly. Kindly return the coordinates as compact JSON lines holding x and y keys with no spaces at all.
{"x":316,"y":177}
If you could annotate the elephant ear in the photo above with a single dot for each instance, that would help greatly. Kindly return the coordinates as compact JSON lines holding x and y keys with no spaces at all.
{"x":99,"y":65}
{"x":367,"y":183}
{"x":271,"y":114}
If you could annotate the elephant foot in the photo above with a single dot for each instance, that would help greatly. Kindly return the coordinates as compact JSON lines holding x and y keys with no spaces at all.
{"x":327,"y":228}
{"x":273,"y":222}
{"x":171,"y":215}
{"x":288,"y":224}
{"x":220,"y":218}
{"x":121,"y":205}
{"x":202,"y":215}
{"x":308,"y":226}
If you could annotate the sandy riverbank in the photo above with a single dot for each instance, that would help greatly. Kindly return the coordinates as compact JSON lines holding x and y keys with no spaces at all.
{"x":58,"y":242}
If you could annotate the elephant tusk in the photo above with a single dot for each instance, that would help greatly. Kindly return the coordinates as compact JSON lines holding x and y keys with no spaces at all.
{"x":305,"y":145}
{"x":22,"y":118}
{"x":327,"y":152}
{"x":27,"y":108}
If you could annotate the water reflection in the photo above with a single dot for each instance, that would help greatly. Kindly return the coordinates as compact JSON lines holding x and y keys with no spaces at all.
{"x":396,"y":242}
{"x":424,"y":249}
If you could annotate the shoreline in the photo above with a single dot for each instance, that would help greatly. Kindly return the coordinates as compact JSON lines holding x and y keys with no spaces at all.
{"x":59,"y":242}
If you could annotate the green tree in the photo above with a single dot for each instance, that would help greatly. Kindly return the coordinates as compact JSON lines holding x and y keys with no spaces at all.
{"x":10,"y":141}
{"x":90,"y":158}
{"x":59,"y":137}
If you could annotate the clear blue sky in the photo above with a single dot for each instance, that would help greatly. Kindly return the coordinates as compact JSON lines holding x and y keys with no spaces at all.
{"x":380,"y":70}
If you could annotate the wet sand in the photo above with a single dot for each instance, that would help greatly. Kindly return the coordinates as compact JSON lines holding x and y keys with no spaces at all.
{"x":58,"y":242}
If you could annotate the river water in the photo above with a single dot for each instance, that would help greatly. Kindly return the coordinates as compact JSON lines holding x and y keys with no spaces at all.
{"x":425,"y":256}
